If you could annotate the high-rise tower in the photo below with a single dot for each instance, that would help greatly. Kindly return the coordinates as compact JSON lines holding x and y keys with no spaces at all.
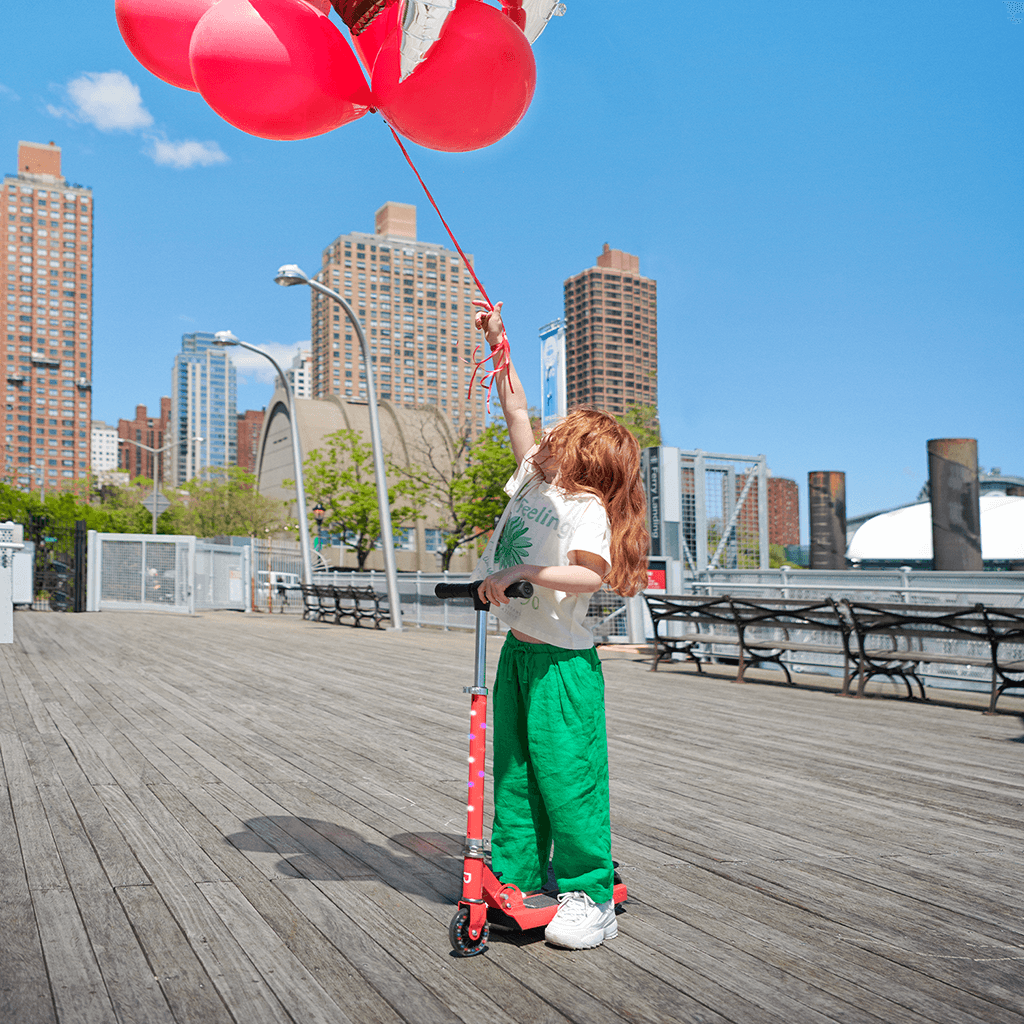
{"x":204,"y":418}
{"x":46,"y":305}
{"x":611,"y":335}
{"x":414,"y":301}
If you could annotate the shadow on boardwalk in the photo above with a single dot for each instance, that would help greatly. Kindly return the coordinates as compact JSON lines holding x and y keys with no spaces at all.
{"x":250,"y":819}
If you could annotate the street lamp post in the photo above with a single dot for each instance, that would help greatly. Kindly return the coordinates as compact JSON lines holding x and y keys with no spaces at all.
{"x":154,"y":452}
{"x":288,"y":275}
{"x":226,"y":338}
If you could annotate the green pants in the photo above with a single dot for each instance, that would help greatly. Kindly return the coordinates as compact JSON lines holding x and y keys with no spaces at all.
{"x":551,"y":770}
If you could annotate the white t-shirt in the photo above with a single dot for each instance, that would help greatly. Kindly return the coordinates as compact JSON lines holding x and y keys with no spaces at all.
{"x":540,"y":526}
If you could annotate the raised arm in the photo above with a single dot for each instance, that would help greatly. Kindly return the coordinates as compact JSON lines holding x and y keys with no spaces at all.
{"x":507,"y":384}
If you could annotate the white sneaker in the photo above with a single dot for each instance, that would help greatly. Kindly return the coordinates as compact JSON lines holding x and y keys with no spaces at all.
{"x":581,"y":923}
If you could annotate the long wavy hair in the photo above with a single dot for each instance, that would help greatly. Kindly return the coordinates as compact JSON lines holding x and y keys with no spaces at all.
{"x":597,"y":455}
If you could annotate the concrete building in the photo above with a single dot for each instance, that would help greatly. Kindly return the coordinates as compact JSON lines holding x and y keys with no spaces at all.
{"x":250,"y":426}
{"x":414,"y":301}
{"x":104,"y":447}
{"x":46,"y":307}
{"x":405,"y":433}
{"x":204,"y":417}
{"x":150,"y":431}
{"x":611,"y":335}
{"x":300,"y":374}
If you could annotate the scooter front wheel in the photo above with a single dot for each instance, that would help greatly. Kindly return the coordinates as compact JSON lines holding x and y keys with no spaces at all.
{"x":458,"y":934}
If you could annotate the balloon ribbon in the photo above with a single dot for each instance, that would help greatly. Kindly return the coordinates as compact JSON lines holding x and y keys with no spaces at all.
{"x":501,"y":353}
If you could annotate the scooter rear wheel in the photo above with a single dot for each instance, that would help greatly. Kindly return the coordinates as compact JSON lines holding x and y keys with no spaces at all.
{"x":458,"y":935}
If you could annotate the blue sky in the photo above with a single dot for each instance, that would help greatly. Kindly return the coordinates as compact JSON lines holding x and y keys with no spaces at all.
{"x":829,"y":196}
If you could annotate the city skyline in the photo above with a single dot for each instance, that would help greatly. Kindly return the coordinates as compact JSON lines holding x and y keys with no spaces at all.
{"x":824,"y":195}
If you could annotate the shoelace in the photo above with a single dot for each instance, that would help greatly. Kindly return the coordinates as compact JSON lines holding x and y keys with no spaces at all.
{"x":581,"y":904}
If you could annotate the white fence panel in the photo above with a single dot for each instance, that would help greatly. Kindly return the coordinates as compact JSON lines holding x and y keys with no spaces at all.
{"x":222,"y":576}
{"x":10,"y":542}
{"x":140,"y":572}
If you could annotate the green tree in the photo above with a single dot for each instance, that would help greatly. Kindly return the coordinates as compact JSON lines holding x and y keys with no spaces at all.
{"x":341,"y":476}
{"x":223,"y":500}
{"x":125,"y":511}
{"x":461,"y":483}
{"x":642,"y":422}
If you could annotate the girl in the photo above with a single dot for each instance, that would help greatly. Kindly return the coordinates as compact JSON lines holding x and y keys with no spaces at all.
{"x":575,"y":521}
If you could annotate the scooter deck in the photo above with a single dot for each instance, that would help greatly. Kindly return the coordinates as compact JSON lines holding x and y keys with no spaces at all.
{"x":511,"y":908}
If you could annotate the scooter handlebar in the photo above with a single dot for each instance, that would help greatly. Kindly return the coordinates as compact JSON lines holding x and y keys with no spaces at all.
{"x":448,"y":591}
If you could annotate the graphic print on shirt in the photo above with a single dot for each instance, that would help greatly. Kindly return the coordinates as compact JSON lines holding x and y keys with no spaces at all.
{"x":513,"y":544}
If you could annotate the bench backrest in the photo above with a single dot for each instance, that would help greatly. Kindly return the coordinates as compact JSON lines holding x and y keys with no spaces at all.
{"x":788,"y":613}
{"x":920,"y":622}
{"x":695,"y":609}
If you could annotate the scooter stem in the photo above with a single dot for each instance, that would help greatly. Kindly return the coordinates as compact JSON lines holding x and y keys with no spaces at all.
{"x":473,"y":861}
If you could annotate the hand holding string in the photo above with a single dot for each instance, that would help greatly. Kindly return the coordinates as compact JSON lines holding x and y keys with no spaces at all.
{"x":488,"y":320}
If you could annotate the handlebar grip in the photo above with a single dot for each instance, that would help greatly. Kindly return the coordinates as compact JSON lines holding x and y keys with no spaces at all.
{"x":448,"y":591}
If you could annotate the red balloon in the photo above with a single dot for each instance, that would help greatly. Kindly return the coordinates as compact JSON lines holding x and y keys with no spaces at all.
{"x":277,"y":69}
{"x":158,"y":33}
{"x":472,"y":89}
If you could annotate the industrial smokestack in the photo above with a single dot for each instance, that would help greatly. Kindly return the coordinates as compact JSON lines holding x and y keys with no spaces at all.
{"x":827,"y":491}
{"x":956,"y":509}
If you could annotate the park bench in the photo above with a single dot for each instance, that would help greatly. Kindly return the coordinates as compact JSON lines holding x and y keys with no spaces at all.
{"x":348,"y":603}
{"x":689,"y":624}
{"x":312,"y":608}
{"x":758,"y":629}
{"x":895,"y":639}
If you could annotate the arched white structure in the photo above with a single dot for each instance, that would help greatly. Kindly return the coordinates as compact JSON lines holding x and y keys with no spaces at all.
{"x":906,"y":533}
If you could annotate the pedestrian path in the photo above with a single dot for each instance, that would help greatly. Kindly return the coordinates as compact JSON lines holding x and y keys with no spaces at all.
{"x":251,"y":818}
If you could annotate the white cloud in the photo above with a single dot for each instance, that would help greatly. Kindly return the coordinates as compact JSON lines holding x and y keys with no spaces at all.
{"x":8,"y":92}
{"x":251,"y":366}
{"x":187,"y":153}
{"x":110,"y":100}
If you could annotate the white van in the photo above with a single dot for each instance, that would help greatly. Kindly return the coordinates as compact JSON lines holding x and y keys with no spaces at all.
{"x":280,"y":584}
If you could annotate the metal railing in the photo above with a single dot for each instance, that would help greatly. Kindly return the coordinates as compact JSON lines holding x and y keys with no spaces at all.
{"x":903,"y":585}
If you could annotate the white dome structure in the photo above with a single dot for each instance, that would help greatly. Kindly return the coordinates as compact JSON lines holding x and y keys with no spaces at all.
{"x":905,"y":534}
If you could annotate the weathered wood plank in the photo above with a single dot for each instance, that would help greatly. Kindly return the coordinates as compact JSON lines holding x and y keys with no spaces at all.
{"x":25,"y":993}
{"x":184,"y":982}
{"x":42,"y":863}
{"x":75,"y":978}
{"x":133,"y":989}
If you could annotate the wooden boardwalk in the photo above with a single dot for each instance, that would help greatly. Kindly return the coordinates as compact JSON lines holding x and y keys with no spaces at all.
{"x":255,"y":819}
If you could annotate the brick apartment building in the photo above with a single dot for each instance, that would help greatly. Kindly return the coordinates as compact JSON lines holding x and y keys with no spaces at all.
{"x":783,"y":511}
{"x":150,"y":431}
{"x":414,"y":302}
{"x":46,"y":305}
{"x":250,"y":424}
{"x":611,"y":335}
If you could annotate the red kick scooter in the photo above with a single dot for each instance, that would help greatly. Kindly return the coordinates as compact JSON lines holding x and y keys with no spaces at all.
{"x":484,"y":897}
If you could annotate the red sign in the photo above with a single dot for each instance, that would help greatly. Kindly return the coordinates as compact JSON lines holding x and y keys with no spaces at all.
{"x":655,"y":579}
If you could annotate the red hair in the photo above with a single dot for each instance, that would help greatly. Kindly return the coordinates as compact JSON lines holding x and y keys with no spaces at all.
{"x":597,"y":455}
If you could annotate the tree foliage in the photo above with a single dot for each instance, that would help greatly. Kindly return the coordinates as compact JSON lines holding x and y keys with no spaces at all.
{"x":461,"y":482}
{"x":62,"y":509}
{"x":642,"y":422}
{"x":223,"y":501}
{"x":340,"y":475}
